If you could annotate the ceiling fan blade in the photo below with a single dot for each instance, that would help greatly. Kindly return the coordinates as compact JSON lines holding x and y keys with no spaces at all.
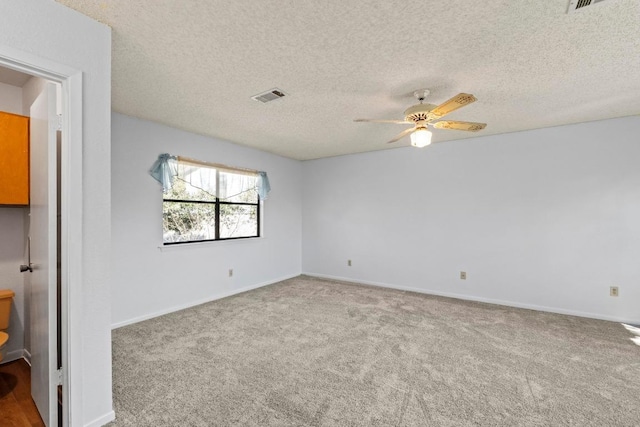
{"x":401,"y":135}
{"x":458,"y":101}
{"x":399,"y":122}
{"x":454,"y":125}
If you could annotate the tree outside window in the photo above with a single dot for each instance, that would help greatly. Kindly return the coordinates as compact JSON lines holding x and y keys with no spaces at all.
{"x":208,"y":203}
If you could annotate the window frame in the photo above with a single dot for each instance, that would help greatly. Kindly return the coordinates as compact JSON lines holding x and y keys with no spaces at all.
{"x":217,"y":203}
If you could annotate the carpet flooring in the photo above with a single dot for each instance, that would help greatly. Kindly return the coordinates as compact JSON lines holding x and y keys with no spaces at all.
{"x":311,"y":352}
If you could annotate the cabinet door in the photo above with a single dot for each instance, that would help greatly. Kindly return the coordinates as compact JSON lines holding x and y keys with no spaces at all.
{"x":14,"y":159}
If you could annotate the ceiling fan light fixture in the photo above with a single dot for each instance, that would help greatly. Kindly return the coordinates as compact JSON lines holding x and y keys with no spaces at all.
{"x":421,"y":138}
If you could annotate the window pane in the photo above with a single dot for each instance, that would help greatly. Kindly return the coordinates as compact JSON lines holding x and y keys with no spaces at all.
{"x":238,"y":188}
{"x":184,"y":222}
{"x":193,"y":183}
{"x":238,"y":221}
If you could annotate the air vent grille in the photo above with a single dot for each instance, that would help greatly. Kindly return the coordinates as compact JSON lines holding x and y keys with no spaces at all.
{"x":269,"y":95}
{"x":575,"y":5}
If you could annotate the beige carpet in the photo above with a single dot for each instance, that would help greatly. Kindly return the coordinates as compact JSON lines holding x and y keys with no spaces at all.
{"x":310,"y":352}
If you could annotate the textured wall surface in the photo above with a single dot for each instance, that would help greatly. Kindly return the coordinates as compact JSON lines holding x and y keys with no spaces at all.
{"x":147,"y":280}
{"x":546,"y":219}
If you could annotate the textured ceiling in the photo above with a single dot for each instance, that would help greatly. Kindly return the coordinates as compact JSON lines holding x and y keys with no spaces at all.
{"x":195,"y":64}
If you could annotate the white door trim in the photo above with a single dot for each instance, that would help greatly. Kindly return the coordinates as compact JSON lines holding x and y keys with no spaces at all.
{"x":71,"y":220}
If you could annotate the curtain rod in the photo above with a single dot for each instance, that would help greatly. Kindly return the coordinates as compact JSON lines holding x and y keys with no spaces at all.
{"x":216,"y":165}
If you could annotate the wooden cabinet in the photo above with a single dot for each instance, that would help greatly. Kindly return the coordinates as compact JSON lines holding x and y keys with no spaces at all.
{"x":14,"y":159}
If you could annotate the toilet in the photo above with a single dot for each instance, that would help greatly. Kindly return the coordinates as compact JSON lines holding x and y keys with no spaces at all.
{"x":6,"y":295}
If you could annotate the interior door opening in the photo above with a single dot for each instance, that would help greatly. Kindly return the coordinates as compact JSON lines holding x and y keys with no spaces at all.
{"x":43,"y":287}
{"x":70,"y":102}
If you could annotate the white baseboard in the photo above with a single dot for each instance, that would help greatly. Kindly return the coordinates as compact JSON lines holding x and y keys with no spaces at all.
{"x":198,"y":302}
{"x":100,"y":421}
{"x":481,"y":299}
{"x":10,"y":356}
{"x":27,"y":356}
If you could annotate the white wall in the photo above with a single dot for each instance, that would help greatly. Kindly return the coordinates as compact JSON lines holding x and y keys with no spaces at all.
{"x":46,"y":29}
{"x":30,"y":91}
{"x":12,"y":246}
{"x":10,"y":99}
{"x":11,"y":256}
{"x":148,"y":281}
{"x":546,"y":219}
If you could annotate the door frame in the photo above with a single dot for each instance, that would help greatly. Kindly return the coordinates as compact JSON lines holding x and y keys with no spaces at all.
{"x":71,"y":199}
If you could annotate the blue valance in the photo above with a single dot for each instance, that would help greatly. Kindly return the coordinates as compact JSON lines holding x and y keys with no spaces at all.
{"x":165,"y":170}
{"x":263,"y":185}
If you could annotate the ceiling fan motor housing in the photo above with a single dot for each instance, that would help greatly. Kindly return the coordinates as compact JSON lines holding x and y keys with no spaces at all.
{"x":418,"y":112}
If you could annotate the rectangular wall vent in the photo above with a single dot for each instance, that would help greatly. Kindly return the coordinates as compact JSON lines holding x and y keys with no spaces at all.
{"x":576,"y":5}
{"x":269,"y":95}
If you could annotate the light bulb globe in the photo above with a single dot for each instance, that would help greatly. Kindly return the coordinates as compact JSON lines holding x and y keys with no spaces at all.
{"x":421,"y":138}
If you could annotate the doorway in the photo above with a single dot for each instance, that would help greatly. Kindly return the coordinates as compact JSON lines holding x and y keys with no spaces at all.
{"x":37,"y":310}
{"x":62,"y":342}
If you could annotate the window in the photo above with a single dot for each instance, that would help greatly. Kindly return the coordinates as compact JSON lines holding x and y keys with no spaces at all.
{"x":208,"y":203}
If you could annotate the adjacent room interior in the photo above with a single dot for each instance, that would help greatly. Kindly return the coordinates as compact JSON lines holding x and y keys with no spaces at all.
{"x":320,"y":214}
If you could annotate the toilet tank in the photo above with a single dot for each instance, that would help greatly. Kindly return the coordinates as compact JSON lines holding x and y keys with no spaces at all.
{"x":6,"y":295}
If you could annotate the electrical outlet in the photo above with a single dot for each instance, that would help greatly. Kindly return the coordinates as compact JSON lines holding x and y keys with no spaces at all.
{"x":231,"y":272}
{"x":463,"y":275}
{"x":613,"y":291}
{"x":349,"y":263}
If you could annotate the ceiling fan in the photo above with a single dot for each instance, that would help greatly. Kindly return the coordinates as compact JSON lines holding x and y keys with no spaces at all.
{"x":423,"y":115}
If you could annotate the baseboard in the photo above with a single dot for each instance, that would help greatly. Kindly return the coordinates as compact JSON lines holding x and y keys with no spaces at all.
{"x":106,"y":418}
{"x":481,"y":299}
{"x":27,"y":356}
{"x":10,"y":356}
{"x":198,"y":302}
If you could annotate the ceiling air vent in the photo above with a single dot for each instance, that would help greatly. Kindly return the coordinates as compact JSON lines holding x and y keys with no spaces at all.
{"x":269,"y":95}
{"x":575,"y":5}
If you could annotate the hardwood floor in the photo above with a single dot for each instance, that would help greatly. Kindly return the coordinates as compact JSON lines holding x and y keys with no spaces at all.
{"x":16,"y":406}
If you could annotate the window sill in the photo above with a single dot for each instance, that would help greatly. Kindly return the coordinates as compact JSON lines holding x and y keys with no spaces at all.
{"x":217,"y":243}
